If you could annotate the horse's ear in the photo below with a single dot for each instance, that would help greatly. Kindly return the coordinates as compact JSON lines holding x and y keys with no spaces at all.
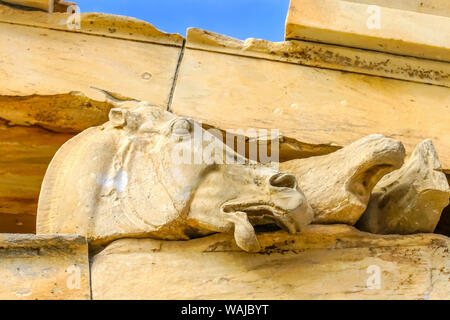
{"x":117,"y":116}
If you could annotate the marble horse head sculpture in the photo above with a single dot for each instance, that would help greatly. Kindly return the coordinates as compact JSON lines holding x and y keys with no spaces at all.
{"x":122,"y":179}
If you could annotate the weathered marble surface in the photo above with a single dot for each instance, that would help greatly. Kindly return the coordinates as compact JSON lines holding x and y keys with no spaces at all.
{"x":311,"y":105}
{"x":435,"y":7}
{"x":107,"y":25}
{"x":338,"y":186}
{"x":410,"y":199}
{"x":46,"y":96}
{"x":346,"y":23}
{"x":77,"y":63}
{"x":47,"y":5}
{"x":327,"y":56}
{"x":43,"y":267}
{"x":149,"y":173}
{"x":323,"y":262}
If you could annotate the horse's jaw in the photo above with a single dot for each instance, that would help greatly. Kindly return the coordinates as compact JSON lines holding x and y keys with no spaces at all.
{"x":246,"y":215}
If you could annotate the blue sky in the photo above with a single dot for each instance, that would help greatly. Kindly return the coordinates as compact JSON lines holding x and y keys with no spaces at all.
{"x":263,"y":19}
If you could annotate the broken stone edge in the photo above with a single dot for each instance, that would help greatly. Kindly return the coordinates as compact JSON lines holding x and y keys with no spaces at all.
{"x":325,"y":56}
{"x":114,"y":26}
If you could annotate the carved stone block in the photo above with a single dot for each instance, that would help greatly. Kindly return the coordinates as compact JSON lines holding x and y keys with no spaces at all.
{"x":338,"y":185}
{"x":410,"y":199}
{"x":148,"y":173}
{"x":312,"y":105}
{"x":323,"y":262}
{"x":361,"y":25}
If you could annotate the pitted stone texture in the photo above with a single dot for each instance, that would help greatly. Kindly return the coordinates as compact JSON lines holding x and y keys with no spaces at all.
{"x":43,"y":267}
{"x":338,"y":185}
{"x":323,"y":262}
{"x":410,"y":199}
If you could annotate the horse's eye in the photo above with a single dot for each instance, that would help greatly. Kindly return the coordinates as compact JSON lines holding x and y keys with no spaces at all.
{"x":182,"y":127}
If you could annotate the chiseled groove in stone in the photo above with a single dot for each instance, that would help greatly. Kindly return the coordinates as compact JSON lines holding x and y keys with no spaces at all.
{"x":97,"y":24}
{"x":175,"y":77}
{"x":327,"y":56}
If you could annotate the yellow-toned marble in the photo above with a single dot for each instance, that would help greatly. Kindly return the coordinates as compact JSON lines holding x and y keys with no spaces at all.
{"x":312,"y":105}
{"x":43,"y":267}
{"x":357,"y":25}
{"x":324,"y":262}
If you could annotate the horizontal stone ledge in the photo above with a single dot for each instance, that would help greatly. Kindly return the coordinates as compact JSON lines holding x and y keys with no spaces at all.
{"x":289,"y":267}
{"x":43,"y":267}
{"x":47,"y":5}
{"x":436,"y":7}
{"x":325,"y":56}
{"x":101,"y":24}
{"x":315,"y":236}
{"x":348,"y":23}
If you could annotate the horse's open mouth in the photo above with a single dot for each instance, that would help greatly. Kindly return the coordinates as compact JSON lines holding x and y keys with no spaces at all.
{"x":263,"y":217}
{"x":250,"y":217}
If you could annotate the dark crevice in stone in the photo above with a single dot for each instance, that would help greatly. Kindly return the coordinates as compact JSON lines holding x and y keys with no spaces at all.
{"x":443,"y":226}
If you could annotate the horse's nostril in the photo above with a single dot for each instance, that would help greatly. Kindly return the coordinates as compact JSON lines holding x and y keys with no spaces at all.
{"x":282,"y":180}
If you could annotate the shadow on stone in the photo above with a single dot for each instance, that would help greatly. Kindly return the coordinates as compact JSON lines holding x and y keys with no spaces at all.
{"x":443,"y":226}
